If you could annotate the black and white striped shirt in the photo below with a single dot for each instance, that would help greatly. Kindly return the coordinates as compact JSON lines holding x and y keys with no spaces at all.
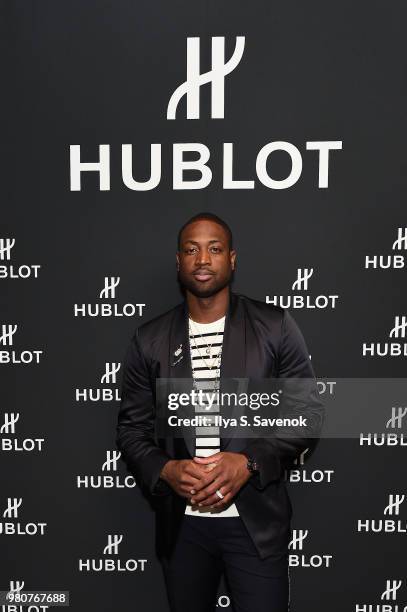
{"x":206,"y":341}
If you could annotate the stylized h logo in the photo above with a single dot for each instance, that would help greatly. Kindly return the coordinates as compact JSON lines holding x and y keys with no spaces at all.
{"x":300,"y":458}
{"x":394,"y":504}
{"x":216,"y":77}
{"x":112,"y":547}
{"x":109,"y":377}
{"x":110,"y":286}
{"x":10,"y":419}
{"x":397,"y":415}
{"x":7,"y":332}
{"x":392,"y":587}
{"x":16,"y":585}
{"x":302,"y":279}
{"x":112,"y":458}
{"x":399,"y":329}
{"x":401,"y":242}
{"x":12,"y":507}
{"x":6,"y":244}
{"x":299,"y":536}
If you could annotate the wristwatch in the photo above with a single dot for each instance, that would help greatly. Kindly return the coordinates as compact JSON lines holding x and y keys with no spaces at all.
{"x":252,"y":465}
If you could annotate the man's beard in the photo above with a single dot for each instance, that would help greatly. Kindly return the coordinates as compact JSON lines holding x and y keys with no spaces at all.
{"x":201,"y":292}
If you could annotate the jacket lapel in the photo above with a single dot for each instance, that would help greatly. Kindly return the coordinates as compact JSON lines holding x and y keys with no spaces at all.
{"x":179,"y":367}
{"x":179,"y":358}
{"x":233,"y":363}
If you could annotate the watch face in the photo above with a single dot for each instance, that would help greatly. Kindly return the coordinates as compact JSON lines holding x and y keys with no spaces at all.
{"x":252,"y":465}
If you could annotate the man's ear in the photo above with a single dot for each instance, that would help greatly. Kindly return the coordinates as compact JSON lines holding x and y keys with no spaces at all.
{"x":177,"y":259}
{"x":233,"y":259}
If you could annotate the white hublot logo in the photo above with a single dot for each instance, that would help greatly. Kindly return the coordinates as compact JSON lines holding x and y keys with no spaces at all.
{"x":113,"y":542}
{"x":401,"y":242}
{"x":109,"y":290}
{"x":216,"y":77}
{"x":6,"y":244}
{"x":394,"y":504}
{"x":203,"y":160}
{"x":302,"y":279}
{"x":109,"y":377}
{"x":298,"y":538}
{"x":112,"y":458}
{"x":9,"y":425}
{"x":397,"y":416}
{"x":12,"y":507}
{"x":399,"y":329}
{"x":392,"y":586}
{"x":7,"y":333}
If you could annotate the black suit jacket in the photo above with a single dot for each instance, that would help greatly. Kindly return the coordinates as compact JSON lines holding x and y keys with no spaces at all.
{"x":260,"y":341}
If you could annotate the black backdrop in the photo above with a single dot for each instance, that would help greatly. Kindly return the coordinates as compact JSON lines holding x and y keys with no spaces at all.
{"x":101,"y":73}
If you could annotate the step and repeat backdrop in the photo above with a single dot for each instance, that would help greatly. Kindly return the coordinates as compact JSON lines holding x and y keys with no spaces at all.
{"x":123,"y":119}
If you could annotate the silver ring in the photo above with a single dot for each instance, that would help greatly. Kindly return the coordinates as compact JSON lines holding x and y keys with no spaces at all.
{"x":219,"y":494}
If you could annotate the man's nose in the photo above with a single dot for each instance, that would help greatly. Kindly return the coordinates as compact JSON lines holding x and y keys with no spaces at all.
{"x":203,"y":258}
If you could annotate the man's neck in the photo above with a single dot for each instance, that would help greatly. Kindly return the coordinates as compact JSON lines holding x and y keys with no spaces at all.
{"x":209,"y":309}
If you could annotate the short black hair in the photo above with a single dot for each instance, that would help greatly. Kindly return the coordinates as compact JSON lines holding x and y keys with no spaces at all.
{"x":209,"y":217}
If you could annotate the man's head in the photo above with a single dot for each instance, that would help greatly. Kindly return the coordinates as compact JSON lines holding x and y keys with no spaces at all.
{"x":205,"y":256}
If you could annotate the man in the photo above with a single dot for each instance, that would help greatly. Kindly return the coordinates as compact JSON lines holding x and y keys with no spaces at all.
{"x":221,"y":502}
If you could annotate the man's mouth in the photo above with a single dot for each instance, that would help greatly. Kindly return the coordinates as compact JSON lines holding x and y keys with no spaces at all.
{"x":203,"y":276}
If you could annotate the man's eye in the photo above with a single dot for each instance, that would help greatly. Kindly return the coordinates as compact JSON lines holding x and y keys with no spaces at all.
{"x":216,"y":249}
{"x":190,"y":250}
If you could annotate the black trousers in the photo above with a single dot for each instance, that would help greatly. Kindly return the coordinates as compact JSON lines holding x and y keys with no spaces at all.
{"x":207,"y":547}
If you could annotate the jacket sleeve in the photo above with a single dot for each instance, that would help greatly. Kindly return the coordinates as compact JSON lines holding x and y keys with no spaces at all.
{"x":276,"y":453}
{"x":135,"y":428}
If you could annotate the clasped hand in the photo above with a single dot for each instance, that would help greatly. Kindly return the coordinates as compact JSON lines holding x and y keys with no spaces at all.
{"x":200,"y":478}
